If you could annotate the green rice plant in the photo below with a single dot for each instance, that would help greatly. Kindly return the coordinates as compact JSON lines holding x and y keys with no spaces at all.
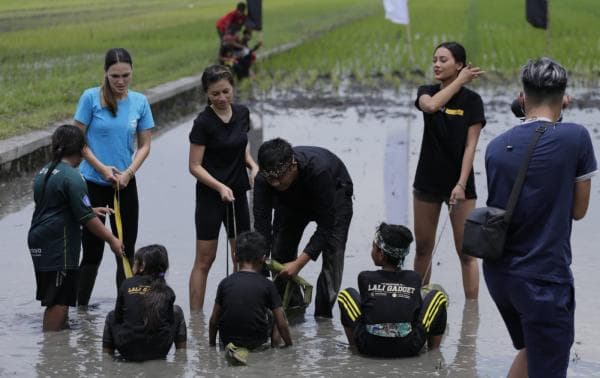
{"x":495,"y":34}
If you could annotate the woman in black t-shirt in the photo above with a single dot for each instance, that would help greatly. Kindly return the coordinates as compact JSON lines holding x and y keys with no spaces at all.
{"x":453,"y":117}
{"x":219,"y":157}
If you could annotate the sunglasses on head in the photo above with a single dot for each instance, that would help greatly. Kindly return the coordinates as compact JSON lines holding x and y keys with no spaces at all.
{"x":277,"y":172}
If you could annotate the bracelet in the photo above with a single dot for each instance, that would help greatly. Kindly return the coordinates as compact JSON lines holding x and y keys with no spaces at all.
{"x":461,"y":186}
{"x":130,"y":173}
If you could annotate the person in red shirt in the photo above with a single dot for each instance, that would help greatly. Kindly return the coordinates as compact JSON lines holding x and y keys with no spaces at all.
{"x":232,"y":20}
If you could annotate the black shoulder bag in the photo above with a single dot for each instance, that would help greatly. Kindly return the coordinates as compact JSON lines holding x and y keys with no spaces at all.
{"x":486,"y":227}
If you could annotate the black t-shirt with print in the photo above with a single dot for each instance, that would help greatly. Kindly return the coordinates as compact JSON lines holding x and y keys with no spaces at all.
{"x":389,"y":297}
{"x":225,"y":145}
{"x":129,"y":316}
{"x":444,"y":139}
{"x":244,"y":298}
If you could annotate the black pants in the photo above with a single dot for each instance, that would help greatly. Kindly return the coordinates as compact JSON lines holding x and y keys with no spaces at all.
{"x":288,"y":227}
{"x":430,"y":321}
{"x":242,"y":66}
{"x":93,"y":247}
{"x":212,"y":212}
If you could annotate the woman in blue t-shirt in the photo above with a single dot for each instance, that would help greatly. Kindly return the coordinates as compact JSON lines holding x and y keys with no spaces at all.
{"x":453,"y":117}
{"x":112,"y":117}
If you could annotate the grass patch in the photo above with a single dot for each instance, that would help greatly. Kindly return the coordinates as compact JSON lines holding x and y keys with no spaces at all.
{"x":495,"y":34}
{"x":51,"y":51}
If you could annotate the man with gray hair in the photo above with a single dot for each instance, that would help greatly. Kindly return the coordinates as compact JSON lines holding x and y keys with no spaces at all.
{"x":532,"y":283}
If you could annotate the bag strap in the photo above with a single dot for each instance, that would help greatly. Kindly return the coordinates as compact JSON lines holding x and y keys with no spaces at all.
{"x":518,"y":185}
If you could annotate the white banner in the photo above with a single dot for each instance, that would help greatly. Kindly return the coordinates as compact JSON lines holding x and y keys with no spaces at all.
{"x":396,"y":11}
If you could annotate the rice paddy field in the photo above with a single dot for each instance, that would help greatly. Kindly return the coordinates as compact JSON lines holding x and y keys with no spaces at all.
{"x":495,"y":34}
{"x":51,"y":51}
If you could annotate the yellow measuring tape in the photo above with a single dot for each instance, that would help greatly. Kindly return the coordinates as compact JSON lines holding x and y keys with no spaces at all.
{"x":117,"y":209}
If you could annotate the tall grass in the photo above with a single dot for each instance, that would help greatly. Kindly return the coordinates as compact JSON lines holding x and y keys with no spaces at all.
{"x":51,"y":51}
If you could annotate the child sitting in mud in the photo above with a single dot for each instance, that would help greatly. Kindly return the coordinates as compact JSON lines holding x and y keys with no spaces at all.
{"x":247,"y":306}
{"x":389,"y":318}
{"x":145,"y":322}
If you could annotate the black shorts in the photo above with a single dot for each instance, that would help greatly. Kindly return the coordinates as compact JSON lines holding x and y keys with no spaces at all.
{"x":57,"y":288}
{"x":211,"y":212}
{"x":437,"y":198}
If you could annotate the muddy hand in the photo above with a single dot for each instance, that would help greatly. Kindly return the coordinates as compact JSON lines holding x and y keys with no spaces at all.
{"x":289,"y":271}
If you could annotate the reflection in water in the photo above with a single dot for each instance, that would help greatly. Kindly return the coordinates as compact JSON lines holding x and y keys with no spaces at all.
{"x":395,"y":174}
{"x":57,"y":356}
{"x":465,"y":360}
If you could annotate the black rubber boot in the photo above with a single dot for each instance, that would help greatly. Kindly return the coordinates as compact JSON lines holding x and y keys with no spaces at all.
{"x":87,"y":278}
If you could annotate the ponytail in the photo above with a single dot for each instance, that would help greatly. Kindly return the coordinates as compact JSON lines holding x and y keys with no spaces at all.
{"x":108,"y":97}
{"x":160,"y":297}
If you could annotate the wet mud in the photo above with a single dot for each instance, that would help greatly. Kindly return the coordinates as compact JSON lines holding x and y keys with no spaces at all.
{"x":378,"y":136}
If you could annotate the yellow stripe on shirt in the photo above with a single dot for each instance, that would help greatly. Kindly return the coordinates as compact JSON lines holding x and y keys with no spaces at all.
{"x":351,"y":309}
{"x":351,"y":301}
{"x":458,"y":112}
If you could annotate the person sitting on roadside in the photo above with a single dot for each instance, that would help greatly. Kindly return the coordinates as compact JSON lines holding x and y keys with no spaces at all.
{"x":230,"y":44}
{"x":388,"y":317}
{"x":247,"y":306}
{"x":145,"y":322}
{"x":232,"y":21}
{"x":236,"y":53}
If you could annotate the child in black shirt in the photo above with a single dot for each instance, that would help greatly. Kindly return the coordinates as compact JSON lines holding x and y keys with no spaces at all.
{"x":145,"y":322}
{"x":388,"y":318}
{"x":247,"y":303}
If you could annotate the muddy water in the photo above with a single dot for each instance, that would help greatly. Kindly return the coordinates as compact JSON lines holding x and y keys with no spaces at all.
{"x":379,"y":139}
